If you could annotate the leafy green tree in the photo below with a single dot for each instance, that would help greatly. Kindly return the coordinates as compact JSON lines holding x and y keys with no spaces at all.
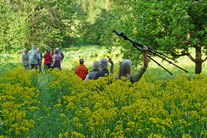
{"x":101,"y":30}
{"x":42,"y":23}
{"x":173,"y":27}
{"x":13,"y":26}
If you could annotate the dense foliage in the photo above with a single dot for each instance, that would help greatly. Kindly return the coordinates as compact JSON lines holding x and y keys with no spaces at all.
{"x":35,"y":104}
{"x":18,"y":99}
{"x":173,"y":27}
{"x":42,"y":23}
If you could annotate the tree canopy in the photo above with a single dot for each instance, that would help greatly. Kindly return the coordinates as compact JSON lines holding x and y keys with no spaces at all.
{"x":173,"y":27}
{"x":42,"y":23}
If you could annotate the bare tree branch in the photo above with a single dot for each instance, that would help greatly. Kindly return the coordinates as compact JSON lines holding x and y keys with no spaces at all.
{"x":180,"y":55}
{"x":204,"y":59}
{"x":184,"y":53}
{"x":193,"y":59}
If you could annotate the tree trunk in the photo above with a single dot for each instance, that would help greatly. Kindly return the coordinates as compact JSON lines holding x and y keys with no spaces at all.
{"x":198,"y":61}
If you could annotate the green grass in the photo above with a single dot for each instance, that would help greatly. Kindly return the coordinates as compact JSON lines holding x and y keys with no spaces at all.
{"x":47,"y":117}
{"x":6,"y":67}
{"x":89,"y":54}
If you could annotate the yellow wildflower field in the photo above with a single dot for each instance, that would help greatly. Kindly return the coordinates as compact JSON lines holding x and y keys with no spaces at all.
{"x":59,"y":104}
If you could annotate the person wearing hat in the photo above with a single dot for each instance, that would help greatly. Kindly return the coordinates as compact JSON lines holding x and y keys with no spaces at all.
{"x":81,"y":70}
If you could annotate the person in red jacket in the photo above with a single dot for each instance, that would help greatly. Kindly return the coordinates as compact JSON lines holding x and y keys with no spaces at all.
{"x":81,"y":70}
{"x":48,"y":57}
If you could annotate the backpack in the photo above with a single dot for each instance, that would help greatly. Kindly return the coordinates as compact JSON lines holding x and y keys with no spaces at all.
{"x":61,"y":55}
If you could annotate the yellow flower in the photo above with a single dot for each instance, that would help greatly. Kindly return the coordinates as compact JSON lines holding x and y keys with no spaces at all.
{"x":186,"y":136}
{"x":63,"y":115}
{"x":60,"y":135}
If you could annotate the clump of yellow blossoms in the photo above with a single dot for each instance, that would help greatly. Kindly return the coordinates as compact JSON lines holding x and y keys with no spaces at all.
{"x":17,"y":98}
{"x":105,"y":107}
{"x":116,"y":108}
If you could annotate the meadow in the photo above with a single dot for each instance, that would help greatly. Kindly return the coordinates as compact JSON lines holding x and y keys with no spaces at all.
{"x":95,"y":52}
{"x":59,"y":104}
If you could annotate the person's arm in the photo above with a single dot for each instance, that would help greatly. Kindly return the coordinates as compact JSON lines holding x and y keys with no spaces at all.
{"x":37,"y":56}
{"x":76,"y":70}
{"x":86,"y":71}
{"x":25,"y":56}
{"x":145,"y":48}
{"x":97,"y":76}
{"x":22,"y":58}
{"x":53,"y":62}
{"x":87,"y":77}
{"x":112,"y":65}
{"x":28,"y":54}
{"x":137,"y":76}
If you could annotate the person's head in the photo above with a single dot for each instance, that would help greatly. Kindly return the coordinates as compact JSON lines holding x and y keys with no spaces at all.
{"x":81,"y":61}
{"x":56,"y":51}
{"x":47,"y":51}
{"x":50,"y":49}
{"x":96,"y":66}
{"x":25,"y":50}
{"x":33,"y":47}
{"x":104,"y":63}
{"x":125,"y":67}
{"x":38,"y":50}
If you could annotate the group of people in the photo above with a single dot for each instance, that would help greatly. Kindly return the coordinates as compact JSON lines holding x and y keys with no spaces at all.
{"x":33,"y":58}
{"x":100,"y":69}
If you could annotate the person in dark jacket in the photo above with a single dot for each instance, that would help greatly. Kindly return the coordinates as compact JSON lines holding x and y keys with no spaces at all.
{"x":104,"y":71}
{"x":56,"y":60}
{"x":39,"y":59}
{"x":96,"y":69}
{"x":61,"y":55}
{"x":25,"y":59}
